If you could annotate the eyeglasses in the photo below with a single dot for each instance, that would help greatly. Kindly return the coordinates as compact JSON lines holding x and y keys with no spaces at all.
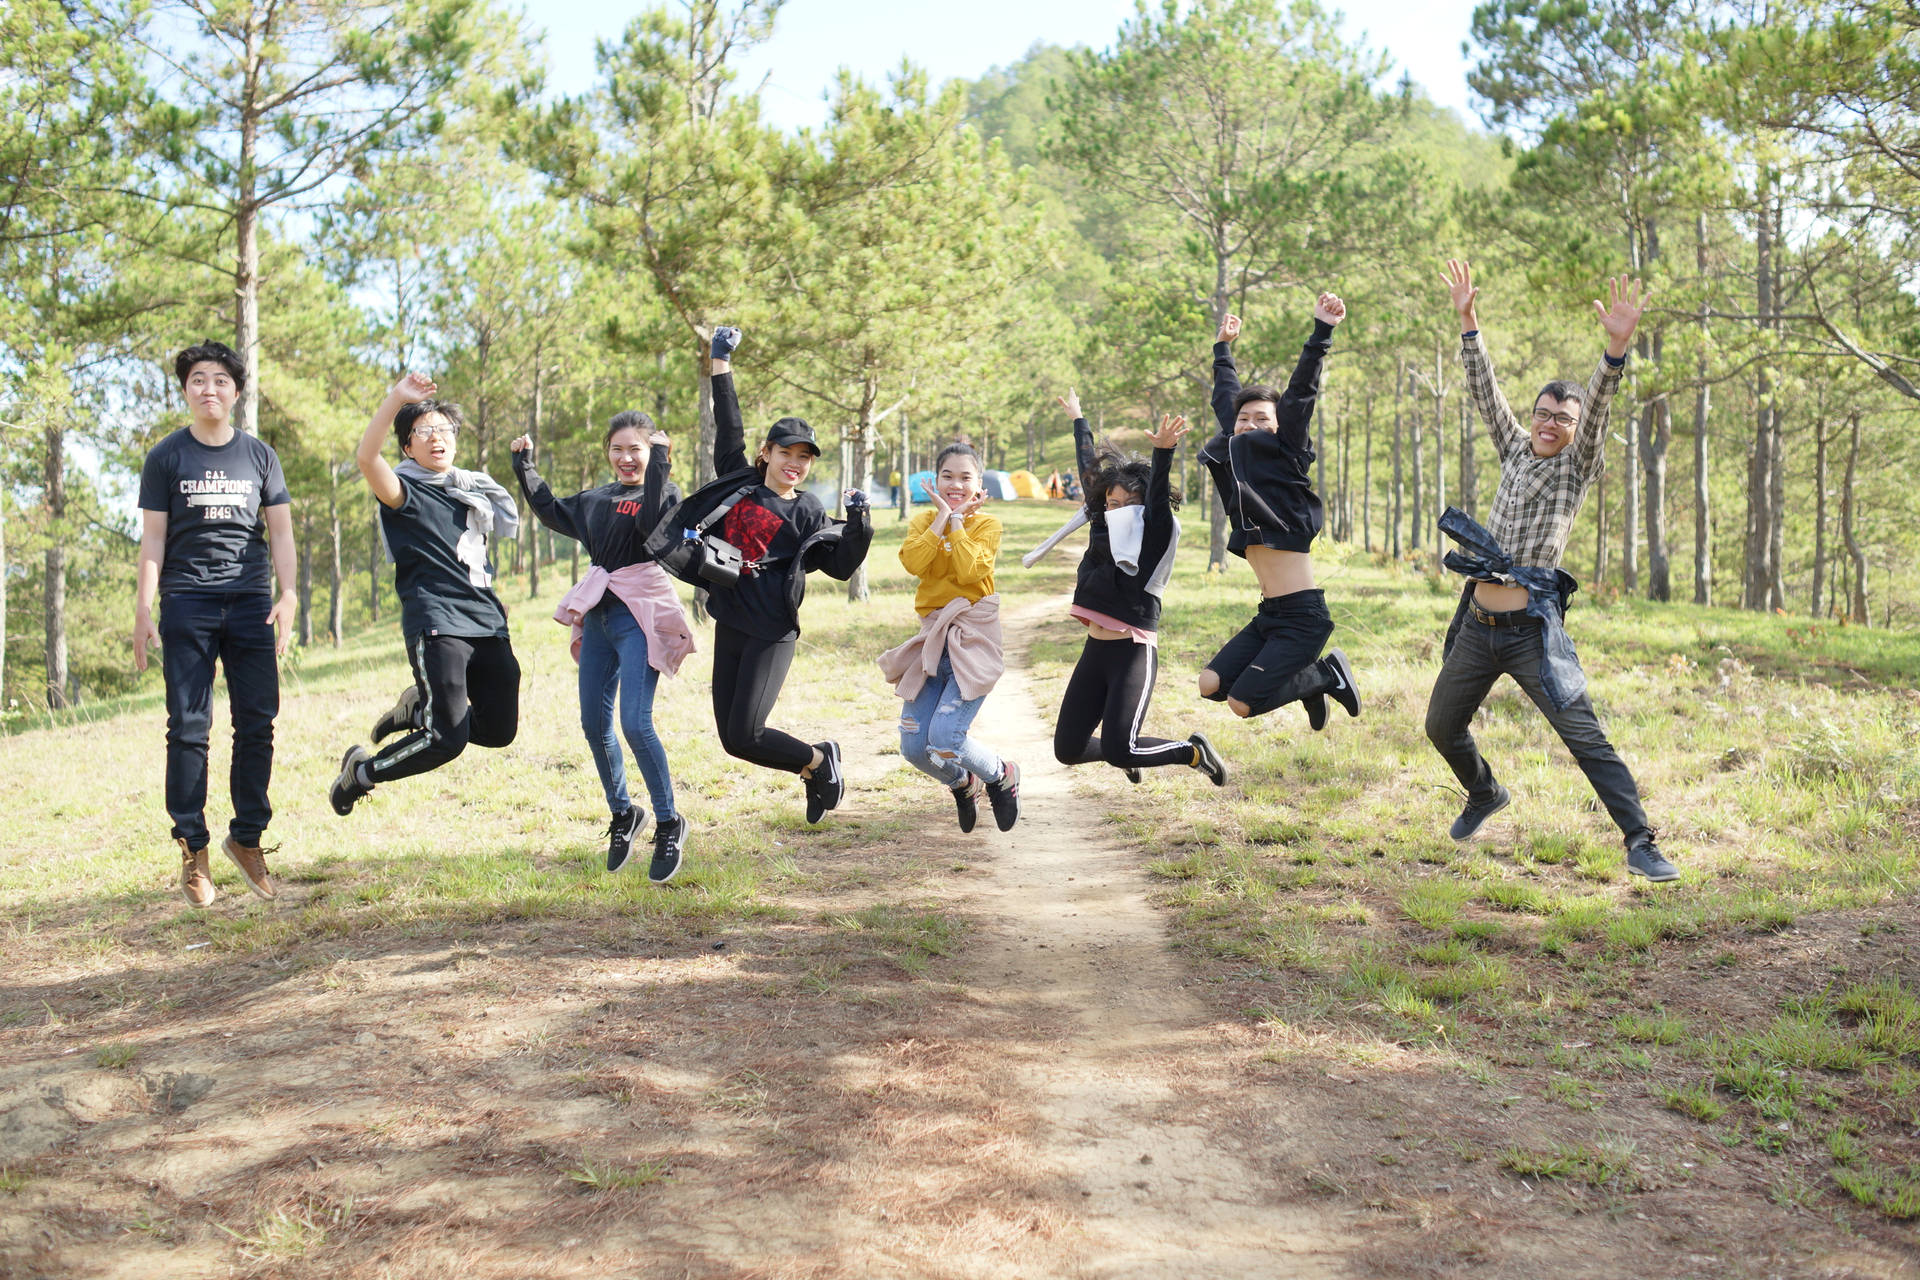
{"x":1562,"y":420}
{"x":446,"y":429}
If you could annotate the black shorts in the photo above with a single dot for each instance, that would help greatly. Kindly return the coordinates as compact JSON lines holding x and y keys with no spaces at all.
{"x":1273,"y":660}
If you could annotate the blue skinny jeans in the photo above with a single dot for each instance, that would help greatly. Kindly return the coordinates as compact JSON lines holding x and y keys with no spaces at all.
{"x":613,"y":661}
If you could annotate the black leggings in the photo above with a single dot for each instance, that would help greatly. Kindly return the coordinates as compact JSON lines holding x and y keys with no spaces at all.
{"x":747,"y":675}
{"x":1111,"y":687}
{"x":469,"y":692}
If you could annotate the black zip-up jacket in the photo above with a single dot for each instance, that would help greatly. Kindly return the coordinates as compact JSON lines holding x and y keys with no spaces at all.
{"x":1104,"y":586}
{"x":833,"y":547}
{"x":1265,"y":478}
{"x":614,"y":521}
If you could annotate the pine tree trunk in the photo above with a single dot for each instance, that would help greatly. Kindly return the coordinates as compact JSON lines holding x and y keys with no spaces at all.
{"x":1656,"y":436}
{"x":1415,"y":525}
{"x":528,"y":522}
{"x":1759,"y":574}
{"x":1816,"y":606}
{"x":1702,"y":402}
{"x":1399,"y":390}
{"x":1366,"y":484}
{"x":1776,"y":512}
{"x":1854,"y":553}
{"x":55,"y":651}
{"x":304,"y":564}
{"x":336,"y":580}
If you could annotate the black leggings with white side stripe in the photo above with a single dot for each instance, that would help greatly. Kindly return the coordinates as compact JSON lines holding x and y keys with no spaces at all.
{"x":1109,"y":692}
{"x":469,"y":692}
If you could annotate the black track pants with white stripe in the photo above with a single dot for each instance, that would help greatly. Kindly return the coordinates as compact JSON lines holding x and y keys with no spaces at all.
{"x":1105,"y":703}
{"x":469,"y":692}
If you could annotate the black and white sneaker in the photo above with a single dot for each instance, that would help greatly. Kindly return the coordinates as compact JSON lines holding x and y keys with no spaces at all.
{"x":966,"y":799}
{"x":1344,"y":691}
{"x":1004,"y":795}
{"x":1475,"y":815}
{"x":347,"y":786}
{"x":1316,"y":705}
{"x":669,"y":838}
{"x":826,"y":788}
{"x":402,"y":717}
{"x":1207,"y":760}
{"x":620,"y":833}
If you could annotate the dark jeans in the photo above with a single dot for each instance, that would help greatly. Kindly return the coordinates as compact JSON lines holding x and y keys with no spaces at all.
{"x":1109,"y":690}
{"x":1480,"y":655}
{"x":1274,"y":659}
{"x":196,"y":631}
{"x":747,"y":675}
{"x":469,"y":692}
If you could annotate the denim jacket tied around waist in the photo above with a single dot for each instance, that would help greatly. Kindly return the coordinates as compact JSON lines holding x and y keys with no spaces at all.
{"x":1480,"y":559}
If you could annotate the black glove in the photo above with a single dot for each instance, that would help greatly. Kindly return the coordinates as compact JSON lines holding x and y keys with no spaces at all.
{"x":725,"y":339}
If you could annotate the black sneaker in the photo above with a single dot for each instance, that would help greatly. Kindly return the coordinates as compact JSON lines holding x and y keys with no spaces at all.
{"x":1133,"y":776}
{"x":1344,"y":691}
{"x":347,"y":786}
{"x":1316,"y":705}
{"x":402,"y":717}
{"x":1004,"y":795}
{"x":966,"y":798}
{"x":1475,"y":815}
{"x":669,"y":837}
{"x":1207,"y":760}
{"x":620,"y":833}
{"x":826,"y":788}
{"x":1645,"y":859}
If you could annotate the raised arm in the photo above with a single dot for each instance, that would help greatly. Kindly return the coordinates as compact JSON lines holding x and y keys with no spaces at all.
{"x":555,"y":513}
{"x":1083,"y":450}
{"x":1226,"y":377}
{"x":1158,"y":522}
{"x":367,"y":455}
{"x":1507,"y":432}
{"x":1295,"y":410}
{"x":729,"y":430}
{"x":659,"y":491}
{"x":1619,"y":316}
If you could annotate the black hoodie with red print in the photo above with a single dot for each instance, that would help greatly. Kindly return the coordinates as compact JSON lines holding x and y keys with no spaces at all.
{"x":780,"y":539}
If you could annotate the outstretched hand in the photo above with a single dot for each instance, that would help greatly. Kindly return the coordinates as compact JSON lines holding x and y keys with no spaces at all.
{"x":1229,"y":329}
{"x":1328,"y":309}
{"x":413,"y":387}
{"x":1620,"y":315}
{"x":1172,"y":427}
{"x":1462,"y":292}
{"x":1071,"y":403}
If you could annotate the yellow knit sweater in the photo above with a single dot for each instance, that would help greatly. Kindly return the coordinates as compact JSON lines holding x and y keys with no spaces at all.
{"x":958,"y":563}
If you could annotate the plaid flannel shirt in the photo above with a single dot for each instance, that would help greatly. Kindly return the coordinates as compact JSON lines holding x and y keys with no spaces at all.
{"x":1533,"y":508}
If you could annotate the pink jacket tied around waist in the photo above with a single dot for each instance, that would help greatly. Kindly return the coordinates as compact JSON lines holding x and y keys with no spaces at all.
{"x":968,"y":634}
{"x":648,"y":593}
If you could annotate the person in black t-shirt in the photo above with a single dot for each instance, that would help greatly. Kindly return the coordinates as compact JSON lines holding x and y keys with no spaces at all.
{"x":214,"y":510}
{"x":782,"y":533}
{"x":436,"y":519}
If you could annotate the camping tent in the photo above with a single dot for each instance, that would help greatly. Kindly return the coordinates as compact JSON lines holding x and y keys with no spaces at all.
{"x":1000,"y":485}
{"x":917,"y":485}
{"x":1027,"y":485}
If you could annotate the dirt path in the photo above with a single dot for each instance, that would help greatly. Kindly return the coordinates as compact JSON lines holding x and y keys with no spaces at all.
{"x":1077,"y":941}
{"x":783,"y":1101}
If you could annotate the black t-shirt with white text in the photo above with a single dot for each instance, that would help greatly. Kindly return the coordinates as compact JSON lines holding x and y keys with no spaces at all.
{"x":440,"y":568}
{"x":212,"y":496}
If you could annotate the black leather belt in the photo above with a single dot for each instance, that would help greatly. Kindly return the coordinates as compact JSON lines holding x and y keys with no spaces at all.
{"x":1508,"y":618}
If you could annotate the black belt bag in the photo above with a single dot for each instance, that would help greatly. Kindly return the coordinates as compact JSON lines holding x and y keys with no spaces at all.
{"x":703,"y":559}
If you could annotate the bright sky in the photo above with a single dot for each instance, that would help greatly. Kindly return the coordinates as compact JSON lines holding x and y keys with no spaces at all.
{"x":813,"y":38}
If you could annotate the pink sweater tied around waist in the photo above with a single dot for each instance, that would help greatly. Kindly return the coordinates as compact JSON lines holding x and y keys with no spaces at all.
{"x":648,"y":593}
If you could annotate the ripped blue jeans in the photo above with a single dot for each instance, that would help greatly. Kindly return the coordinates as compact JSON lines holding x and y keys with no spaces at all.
{"x":933,"y":732}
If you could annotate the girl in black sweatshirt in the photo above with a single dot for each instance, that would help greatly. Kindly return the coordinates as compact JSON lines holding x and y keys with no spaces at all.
{"x":1132,"y":536}
{"x":782,"y":532}
{"x":628,"y":625}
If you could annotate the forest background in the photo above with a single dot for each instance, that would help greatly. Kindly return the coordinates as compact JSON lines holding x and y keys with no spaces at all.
{"x":345,"y":189}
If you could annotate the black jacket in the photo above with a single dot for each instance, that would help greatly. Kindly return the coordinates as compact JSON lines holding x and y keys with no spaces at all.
{"x":1104,"y":586}
{"x":836,"y":548}
{"x":613,"y":522}
{"x":1265,"y":478}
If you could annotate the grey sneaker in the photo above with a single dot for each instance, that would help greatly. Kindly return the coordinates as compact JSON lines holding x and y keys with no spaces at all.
{"x":1645,"y":859}
{"x":402,"y":717}
{"x":347,"y":786}
{"x":1475,"y":815}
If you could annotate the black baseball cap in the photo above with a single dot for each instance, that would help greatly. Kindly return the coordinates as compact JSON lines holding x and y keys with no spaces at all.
{"x":793,"y":431}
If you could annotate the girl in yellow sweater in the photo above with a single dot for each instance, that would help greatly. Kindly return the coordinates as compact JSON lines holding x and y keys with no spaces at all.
{"x":946,"y":671}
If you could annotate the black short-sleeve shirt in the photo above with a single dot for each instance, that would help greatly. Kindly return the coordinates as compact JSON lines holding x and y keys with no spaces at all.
{"x":440,"y":568}
{"x":213,"y":496}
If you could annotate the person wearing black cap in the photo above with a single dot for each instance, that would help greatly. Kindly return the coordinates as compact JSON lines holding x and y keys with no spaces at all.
{"x":781,"y":533}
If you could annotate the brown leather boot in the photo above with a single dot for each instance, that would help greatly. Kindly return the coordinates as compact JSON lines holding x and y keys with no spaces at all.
{"x":253,"y":866}
{"x":196,"y":880}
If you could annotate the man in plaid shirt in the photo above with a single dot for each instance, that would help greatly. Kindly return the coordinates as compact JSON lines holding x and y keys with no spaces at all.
{"x":1546,"y":465}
